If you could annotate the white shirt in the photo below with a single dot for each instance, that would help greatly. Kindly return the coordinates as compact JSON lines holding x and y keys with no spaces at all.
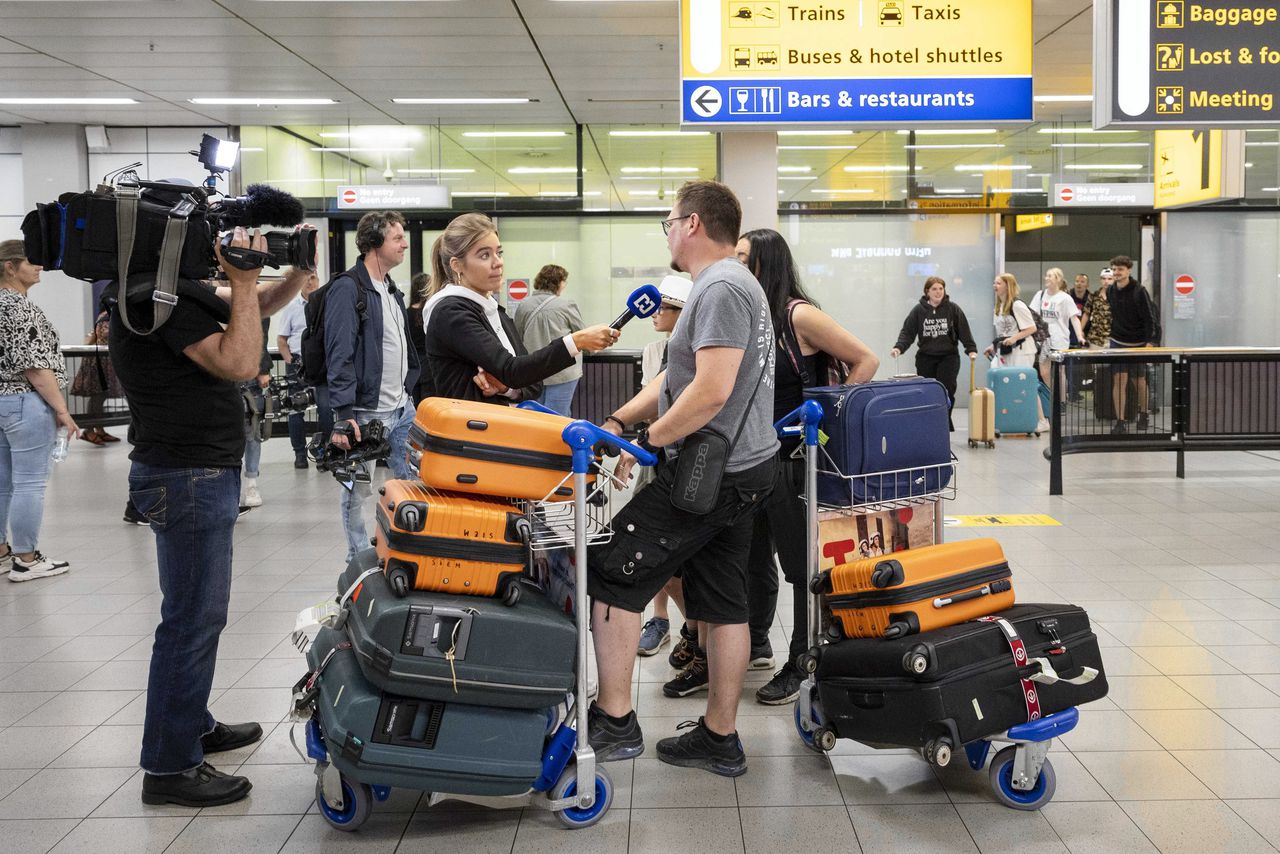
{"x":1057,"y":311}
{"x":293,"y":321}
{"x":395,"y":352}
{"x":1009,"y":325}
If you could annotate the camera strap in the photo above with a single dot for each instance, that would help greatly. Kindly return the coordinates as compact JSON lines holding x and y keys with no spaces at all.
{"x":165,"y":296}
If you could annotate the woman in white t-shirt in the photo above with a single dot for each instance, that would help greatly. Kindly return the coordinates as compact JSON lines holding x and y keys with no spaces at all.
{"x":1060,"y":313}
{"x":1013,"y":346}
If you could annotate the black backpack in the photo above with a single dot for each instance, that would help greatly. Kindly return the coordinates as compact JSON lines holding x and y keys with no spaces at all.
{"x":315,"y":366}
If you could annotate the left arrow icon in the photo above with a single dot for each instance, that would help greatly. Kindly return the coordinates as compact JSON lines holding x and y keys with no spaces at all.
{"x":705,"y":101}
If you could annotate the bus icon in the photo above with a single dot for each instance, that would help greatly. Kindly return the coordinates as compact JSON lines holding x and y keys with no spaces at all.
{"x":741,"y":57}
{"x":766,"y":57}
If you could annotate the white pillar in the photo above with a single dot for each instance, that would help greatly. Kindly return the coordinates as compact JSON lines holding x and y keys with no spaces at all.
{"x":749,"y":165}
{"x":55,"y":160}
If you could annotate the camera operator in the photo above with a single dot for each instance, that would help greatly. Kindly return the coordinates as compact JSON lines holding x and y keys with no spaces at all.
{"x":372,"y":365}
{"x":293,"y":321}
{"x":719,"y":377}
{"x":188,"y":440}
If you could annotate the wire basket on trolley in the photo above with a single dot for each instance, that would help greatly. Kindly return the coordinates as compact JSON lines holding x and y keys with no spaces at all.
{"x":872,"y":492}
{"x":555,"y":522}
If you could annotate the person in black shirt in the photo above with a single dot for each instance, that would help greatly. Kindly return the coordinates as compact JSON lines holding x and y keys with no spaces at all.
{"x":188,"y":439}
{"x":1134,"y":323}
{"x":940,"y":325}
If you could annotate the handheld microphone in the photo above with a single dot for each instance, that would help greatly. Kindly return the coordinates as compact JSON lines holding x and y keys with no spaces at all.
{"x":643,"y":302}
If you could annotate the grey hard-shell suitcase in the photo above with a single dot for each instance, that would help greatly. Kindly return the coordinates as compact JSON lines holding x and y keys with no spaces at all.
{"x":383,"y":739}
{"x":466,"y":649}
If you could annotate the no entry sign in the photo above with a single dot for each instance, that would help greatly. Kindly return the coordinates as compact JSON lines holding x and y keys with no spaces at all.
{"x":517,"y":289}
{"x":1184,"y":285}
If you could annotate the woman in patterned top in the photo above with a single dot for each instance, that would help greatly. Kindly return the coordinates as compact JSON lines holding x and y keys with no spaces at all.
{"x":32,"y":376}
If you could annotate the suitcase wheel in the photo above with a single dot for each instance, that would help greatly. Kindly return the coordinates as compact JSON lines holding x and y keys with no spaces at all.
{"x":357,"y":804}
{"x":807,"y":662}
{"x":937,"y":751}
{"x":916,"y":661}
{"x":1001,"y":774}
{"x":399,"y":582}
{"x":512,"y":594}
{"x":567,"y":787}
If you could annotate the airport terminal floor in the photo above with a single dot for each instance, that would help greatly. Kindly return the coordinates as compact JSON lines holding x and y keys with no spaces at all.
{"x":1181,"y":580}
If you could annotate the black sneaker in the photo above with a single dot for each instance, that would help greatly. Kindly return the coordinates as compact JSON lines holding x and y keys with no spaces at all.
{"x":1119,"y":428}
{"x":699,"y":748}
{"x":761,"y":657}
{"x":685,"y":650}
{"x":1144,"y":422}
{"x":692,"y":679}
{"x":300,"y":461}
{"x":205,"y":786}
{"x":783,"y":688}
{"x":133,"y":517}
{"x":612,"y":741}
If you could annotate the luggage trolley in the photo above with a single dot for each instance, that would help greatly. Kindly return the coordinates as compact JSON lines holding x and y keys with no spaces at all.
{"x":580,"y":794}
{"x":1021,"y":775}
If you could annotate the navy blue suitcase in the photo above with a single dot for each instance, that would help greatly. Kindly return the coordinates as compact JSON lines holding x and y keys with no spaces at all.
{"x":887,"y":426}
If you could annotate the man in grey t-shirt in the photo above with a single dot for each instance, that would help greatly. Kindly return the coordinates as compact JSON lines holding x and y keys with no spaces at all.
{"x":720,"y":377}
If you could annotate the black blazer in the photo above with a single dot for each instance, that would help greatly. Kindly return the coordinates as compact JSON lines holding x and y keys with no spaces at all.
{"x":459,"y":338}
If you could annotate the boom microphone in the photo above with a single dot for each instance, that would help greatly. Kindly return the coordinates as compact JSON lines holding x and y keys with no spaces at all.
{"x":643,"y":302}
{"x":262,"y":205}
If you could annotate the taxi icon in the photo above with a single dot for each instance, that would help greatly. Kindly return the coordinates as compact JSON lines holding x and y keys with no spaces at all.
{"x":890,"y":14}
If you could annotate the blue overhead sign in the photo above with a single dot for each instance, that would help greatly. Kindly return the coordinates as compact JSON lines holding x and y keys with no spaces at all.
{"x":808,"y":101}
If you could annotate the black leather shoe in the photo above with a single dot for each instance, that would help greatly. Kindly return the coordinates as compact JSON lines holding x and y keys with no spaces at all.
{"x":230,"y":736}
{"x":205,"y":786}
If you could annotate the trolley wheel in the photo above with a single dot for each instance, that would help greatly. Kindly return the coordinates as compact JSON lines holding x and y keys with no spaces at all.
{"x":806,"y":737}
{"x":567,"y":787}
{"x":512,"y":594}
{"x":1001,"y":774}
{"x":357,"y":804}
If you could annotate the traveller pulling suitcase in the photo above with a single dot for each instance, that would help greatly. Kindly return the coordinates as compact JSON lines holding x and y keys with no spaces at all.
{"x":982,"y":412}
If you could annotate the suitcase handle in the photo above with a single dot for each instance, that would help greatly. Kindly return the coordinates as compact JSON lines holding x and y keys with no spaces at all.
{"x":985,"y":590}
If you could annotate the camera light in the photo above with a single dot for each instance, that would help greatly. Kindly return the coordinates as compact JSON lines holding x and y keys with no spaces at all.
{"x":217,"y":155}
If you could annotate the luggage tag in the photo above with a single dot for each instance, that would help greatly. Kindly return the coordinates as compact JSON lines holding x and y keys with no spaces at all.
{"x":332,"y":614}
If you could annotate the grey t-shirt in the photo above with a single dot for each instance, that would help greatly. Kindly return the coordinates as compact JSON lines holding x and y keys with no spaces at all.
{"x":727,"y":308}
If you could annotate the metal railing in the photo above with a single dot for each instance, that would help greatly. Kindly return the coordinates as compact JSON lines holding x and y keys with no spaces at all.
{"x":89,"y":370}
{"x":1201,"y":399}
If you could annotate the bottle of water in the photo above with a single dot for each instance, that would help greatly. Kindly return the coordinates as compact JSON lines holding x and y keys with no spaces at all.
{"x":60,"y":445}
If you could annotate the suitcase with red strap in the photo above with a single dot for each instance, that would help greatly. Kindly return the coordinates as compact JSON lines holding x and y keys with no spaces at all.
{"x":963,"y":682}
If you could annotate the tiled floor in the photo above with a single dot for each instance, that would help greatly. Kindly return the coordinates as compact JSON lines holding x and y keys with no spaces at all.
{"x":1182,"y":579}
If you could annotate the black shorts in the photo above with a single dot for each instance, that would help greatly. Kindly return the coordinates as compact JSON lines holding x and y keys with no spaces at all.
{"x":652,"y":540}
{"x":1125,"y":368}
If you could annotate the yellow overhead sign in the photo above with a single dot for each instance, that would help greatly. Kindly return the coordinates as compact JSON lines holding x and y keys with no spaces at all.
{"x":759,"y":61}
{"x":1198,"y":166}
{"x":1030,"y":222}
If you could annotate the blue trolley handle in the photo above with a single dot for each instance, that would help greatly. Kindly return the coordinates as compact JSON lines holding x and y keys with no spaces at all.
{"x":582,"y":436}
{"x":805,"y":419}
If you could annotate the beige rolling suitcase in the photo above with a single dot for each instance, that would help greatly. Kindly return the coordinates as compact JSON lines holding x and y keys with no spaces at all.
{"x":982,"y":413}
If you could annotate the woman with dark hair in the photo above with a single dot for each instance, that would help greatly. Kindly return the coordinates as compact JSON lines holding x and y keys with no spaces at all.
{"x":810,"y":344}
{"x":545,"y":316}
{"x":939,"y":325}
{"x":420,"y":290}
{"x":473,"y":349}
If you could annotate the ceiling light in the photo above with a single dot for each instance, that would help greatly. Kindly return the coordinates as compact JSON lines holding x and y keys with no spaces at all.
{"x":660,"y":208}
{"x":251,"y":150}
{"x":993,"y":167}
{"x":564,"y":193}
{"x":1099,"y":167}
{"x":1015,"y":191}
{"x":1271,"y":189}
{"x":883,"y":168}
{"x":478,"y":195}
{"x":672,"y":170}
{"x":362,"y":149}
{"x":817,"y":148}
{"x":815,"y":133}
{"x":262,"y":102}
{"x":595,"y":210}
{"x":1261,"y":144}
{"x":1062,"y":99}
{"x":374,"y":133}
{"x":951,"y":196}
{"x":461,"y":100}
{"x":659,"y":133}
{"x":956,"y":145}
{"x":62,"y":102}
{"x":796,"y":178}
{"x":952,"y":190}
{"x":643,"y":193}
{"x":952,"y":132}
{"x":306,"y":181}
{"x":1082,"y":130}
{"x":543,"y":170}
{"x":795,"y":168}
{"x":512,"y":134}
{"x":1100,"y":145}
{"x":854,"y":190}
{"x":436,"y":171}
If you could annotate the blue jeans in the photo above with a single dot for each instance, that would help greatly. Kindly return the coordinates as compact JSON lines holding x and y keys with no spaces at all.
{"x":27,"y":433}
{"x":352,"y":501}
{"x":192,"y":512}
{"x":559,"y":396}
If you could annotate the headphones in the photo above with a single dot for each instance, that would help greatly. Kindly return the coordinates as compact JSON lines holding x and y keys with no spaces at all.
{"x":370,"y":236}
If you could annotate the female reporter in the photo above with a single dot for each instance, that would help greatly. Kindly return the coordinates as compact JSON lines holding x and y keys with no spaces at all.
{"x":810,"y":343}
{"x":473,"y":349}
{"x":32,"y":376}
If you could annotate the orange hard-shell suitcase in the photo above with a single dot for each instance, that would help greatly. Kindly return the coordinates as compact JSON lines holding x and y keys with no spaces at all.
{"x":431,"y":540}
{"x":480,"y":448}
{"x":918,"y":590}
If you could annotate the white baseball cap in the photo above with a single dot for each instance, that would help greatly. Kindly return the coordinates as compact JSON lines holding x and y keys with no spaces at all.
{"x":675,"y":290}
{"x":1106,"y":271}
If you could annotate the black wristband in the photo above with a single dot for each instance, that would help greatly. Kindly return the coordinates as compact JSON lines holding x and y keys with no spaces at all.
{"x":616,"y":420}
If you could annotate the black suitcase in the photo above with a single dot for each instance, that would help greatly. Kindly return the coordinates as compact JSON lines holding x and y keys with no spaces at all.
{"x":960,"y":681}
{"x":521,"y":656}
{"x":382,"y":739}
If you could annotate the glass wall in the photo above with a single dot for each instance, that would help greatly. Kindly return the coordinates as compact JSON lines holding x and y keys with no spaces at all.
{"x":1233,"y":263}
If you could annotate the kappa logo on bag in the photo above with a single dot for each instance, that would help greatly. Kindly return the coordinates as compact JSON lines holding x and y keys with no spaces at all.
{"x":695,"y":477}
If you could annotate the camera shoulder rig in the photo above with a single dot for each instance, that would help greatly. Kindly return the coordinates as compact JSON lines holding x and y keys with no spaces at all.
{"x":165,"y":294}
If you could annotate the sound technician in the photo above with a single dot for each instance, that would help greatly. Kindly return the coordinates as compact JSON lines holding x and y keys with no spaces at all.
{"x":188,"y":438}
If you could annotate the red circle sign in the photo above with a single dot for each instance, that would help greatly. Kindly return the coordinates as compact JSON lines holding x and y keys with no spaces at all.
{"x":518,"y":288}
{"x":1184,"y":285}
{"x":348,"y":197}
{"x":1067,"y":194}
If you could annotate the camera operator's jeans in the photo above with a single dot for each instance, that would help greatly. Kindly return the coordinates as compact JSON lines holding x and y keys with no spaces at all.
{"x":193,"y":513}
{"x":27,"y":433}
{"x":297,"y":421}
{"x":398,"y":422}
